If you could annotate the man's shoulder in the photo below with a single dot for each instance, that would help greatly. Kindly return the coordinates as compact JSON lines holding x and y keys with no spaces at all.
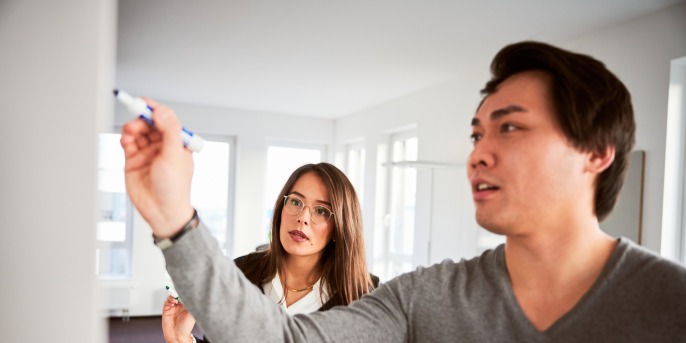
{"x":642,"y":288}
{"x":640,"y":259}
{"x":644,"y":271}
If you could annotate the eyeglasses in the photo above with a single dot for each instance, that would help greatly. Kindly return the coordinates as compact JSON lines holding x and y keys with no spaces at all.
{"x":293,"y":205}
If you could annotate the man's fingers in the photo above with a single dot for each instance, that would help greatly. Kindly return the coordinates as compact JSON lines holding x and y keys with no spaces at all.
{"x":130,"y":134}
{"x":155,"y":136}
{"x":136,"y":127}
{"x":142,"y":142}
{"x":141,"y":157}
{"x":168,"y":126}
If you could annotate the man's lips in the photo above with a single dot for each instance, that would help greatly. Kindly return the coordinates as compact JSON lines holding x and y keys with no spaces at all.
{"x":482,"y":188}
{"x":298,"y":235}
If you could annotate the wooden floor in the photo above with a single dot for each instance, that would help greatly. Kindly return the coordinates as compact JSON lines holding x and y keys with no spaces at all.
{"x":138,"y":330}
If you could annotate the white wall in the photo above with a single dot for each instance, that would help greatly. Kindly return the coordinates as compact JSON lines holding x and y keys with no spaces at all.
{"x":442,"y":116}
{"x":252,"y":131}
{"x":638,"y":51}
{"x":57,"y":62}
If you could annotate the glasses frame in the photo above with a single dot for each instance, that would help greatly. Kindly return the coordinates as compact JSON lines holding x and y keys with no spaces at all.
{"x":285,"y":199}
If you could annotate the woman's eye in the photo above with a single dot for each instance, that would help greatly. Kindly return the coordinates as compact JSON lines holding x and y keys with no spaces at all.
{"x":321,"y":210}
{"x":296,"y":202}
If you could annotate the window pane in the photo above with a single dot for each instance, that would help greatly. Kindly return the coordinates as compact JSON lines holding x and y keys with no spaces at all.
{"x":355,"y":169}
{"x":403,"y":210}
{"x":114,"y":263}
{"x":402,"y":192}
{"x":411,"y":149}
{"x":210,"y":187}
{"x":112,"y":230}
{"x":112,"y":224}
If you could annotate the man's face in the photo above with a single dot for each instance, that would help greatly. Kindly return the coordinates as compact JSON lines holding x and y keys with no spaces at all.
{"x":525,"y":176}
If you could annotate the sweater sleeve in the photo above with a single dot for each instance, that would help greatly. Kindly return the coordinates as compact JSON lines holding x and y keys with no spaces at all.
{"x":230,"y":308}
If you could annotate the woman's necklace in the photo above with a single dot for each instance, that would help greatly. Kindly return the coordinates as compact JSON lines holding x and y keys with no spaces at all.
{"x":298,"y":290}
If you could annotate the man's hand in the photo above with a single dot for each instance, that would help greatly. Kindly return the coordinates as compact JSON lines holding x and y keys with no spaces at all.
{"x":158,"y":171}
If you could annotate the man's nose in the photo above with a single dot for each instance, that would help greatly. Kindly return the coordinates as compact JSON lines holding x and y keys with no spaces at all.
{"x":482,"y":155}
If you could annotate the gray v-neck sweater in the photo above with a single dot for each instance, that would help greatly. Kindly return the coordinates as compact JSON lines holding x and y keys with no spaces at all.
{"x":639,"y":297}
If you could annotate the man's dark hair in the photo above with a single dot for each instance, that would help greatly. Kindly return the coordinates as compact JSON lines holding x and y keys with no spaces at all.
{"x":591,"y":106}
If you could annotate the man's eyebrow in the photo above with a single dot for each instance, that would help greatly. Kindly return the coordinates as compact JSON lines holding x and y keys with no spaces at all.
{"x":500,"y":113}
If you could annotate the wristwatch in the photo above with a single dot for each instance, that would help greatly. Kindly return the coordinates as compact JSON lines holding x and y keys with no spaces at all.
{"x":165,"y":243}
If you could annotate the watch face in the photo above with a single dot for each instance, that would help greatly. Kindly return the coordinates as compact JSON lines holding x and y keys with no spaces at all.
{"x":164,"y":243}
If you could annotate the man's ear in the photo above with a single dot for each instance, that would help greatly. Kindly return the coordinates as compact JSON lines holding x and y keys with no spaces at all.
{"x":598,"y":161}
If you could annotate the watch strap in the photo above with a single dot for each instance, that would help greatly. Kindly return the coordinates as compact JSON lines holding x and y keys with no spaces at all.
{"x":165,"y":243}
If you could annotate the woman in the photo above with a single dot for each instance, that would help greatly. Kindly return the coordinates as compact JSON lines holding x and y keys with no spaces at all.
{"x":318,"y":260}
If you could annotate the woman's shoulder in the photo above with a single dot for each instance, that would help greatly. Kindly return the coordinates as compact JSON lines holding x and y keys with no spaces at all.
{"x":375,"y":280}
{"x":246,"y":260}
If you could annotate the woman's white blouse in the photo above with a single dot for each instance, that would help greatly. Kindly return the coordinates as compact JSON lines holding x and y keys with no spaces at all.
{"x":309,"y":303}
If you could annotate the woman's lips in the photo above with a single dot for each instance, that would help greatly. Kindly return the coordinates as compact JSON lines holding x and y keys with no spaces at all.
{"x":298,"y":235}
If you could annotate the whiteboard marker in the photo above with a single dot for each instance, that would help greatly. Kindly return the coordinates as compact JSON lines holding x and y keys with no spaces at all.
{"x":139,"y":107}
{"x":172,"y":292}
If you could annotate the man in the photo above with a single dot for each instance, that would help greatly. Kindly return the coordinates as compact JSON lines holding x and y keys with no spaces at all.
{"x":551,"y":143}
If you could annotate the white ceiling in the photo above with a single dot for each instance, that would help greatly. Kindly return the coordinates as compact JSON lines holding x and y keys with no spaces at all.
{"x":331,"y":58}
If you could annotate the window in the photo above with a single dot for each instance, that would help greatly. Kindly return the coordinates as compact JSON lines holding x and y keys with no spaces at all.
{"x":210,"y":195}
{"x":211,"y":189}
{"x":282,"y":160}
{"x":355,"y":158}
{"x":113,"y":230}
{"x":402,"y":196}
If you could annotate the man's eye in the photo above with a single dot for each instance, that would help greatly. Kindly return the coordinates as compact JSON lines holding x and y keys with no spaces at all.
{"x":507,"y":128}
{"x":475,"y":137}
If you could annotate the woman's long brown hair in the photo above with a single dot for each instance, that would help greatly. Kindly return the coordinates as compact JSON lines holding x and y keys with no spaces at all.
{"x":343,"y":265}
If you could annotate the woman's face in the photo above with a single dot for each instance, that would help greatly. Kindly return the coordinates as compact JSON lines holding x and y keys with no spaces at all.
{"x":299,"y":235}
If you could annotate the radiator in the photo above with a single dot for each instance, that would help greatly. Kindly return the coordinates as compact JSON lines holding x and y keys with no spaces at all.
{"x":116,"y":299}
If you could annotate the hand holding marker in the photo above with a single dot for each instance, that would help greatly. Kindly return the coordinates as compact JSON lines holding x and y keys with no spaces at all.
{"x":139,"y":107}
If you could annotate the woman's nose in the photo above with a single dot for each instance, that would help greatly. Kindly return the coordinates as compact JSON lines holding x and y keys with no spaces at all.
{"x":304,"y":216}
